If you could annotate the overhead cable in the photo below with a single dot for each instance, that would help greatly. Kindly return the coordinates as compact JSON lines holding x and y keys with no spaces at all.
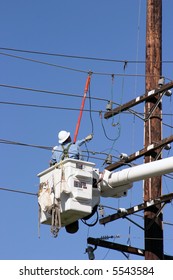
{"x":4,"y":141}
{"x":77,"y":70}
{"x":77,"y":56}
{"x":9,"y":142}
{"x":18,"y":191}
{"x":50,"y":92}
{"x":77,"y":109}
{"x":46,"y":106}
{"x":64,"y":94}
{"x":43,"y":62}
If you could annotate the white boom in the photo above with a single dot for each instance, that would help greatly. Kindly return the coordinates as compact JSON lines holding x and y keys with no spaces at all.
{"x":116,"y":180}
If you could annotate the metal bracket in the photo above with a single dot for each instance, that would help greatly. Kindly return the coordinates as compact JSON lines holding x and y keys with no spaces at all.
{"x":140,"y":153}
{"x":154,"y":107}
{"x":164,"y":198}
{"x":155,"y":216}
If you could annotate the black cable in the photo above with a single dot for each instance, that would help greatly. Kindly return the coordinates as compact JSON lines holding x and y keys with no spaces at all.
{"x":4,"y":141}
{"x":91,"y":215}
{"x":8,"y":142}
{"x":104,"y":130}
{"x":78,"y":57}
{"x":62,"y":55}
{"x":51,"y":92}
{"x":18,"y":191}
{"x":73,"y":95}
{"x":45,"y":63}
{"x":76,"y":109}
{"x":168,"y":176}
{"x":78,"y":70}
{"x":45,"y":106}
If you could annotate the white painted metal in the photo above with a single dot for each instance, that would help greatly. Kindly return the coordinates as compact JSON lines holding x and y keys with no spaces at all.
{"x":141,"y":172}
{"x":116,"y":183}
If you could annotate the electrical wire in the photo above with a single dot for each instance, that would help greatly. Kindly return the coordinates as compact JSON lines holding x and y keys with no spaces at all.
{"x":62,"y":55}
{"x":9,"y":142}
{"x":77,"y":56}
{"x":44,"y":63}
{"x":137,"y":44}
{"x":78,"y":70}
{"x":73,"y":95}
{"x":51,"y":92}
{"x":104,"y":130}
{"x":168,"y":125}
{"x":46,"y":106}
{"x":133,"y":124}
{"x":73,"y":109}
{"x":65,"y":94}
{"x":118,"y":123}
{"x":112,"y":96}
{"x":168,"y":176}
{"x":76,"y":109}
{"x":18,"y":191}
{"x":136,"y":78}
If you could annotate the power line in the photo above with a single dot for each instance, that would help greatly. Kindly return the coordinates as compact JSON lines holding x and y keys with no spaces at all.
{"x":76,"y":109}
{"x":64,"y":94}
{"x":78,"y":57}
{"x":68,"y":95}
{"x":170,"y":126}
{"x":46,"y":106}
{"x":4,"y":141}
{"x":72,"y":109}
{"x":44,"y":63}
{"x":18,"y":191}
{"x":78,"y":70}
{"x":63,"y":55}
{"x":9,"y":142}
{"x":49,"y":92}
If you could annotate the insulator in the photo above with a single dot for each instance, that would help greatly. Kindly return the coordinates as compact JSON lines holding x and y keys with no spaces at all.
{"x":105,"y":237}
{"x":108,"y":160}
{"x":90,"y":252}
{"x":109,"y":105}
{"x":161,"y":81}
{"x":122,"y":210}
{"x":101,"y":211}
{"x":167,"y":147}
{"x":168,"y":93}
{"x":124,"y":156}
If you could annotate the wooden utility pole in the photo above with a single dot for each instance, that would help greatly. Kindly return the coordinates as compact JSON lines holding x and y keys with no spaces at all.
{"x":153,"y":129}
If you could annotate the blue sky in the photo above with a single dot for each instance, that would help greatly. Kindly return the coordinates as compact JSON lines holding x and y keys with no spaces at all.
{"x":112,"y":30}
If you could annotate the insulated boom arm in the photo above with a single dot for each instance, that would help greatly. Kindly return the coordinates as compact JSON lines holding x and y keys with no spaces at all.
{"x":125,"y":178}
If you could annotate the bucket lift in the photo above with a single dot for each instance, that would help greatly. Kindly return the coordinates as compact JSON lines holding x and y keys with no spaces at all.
{"x":71,"y":190}
{"x":67,"y":193}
